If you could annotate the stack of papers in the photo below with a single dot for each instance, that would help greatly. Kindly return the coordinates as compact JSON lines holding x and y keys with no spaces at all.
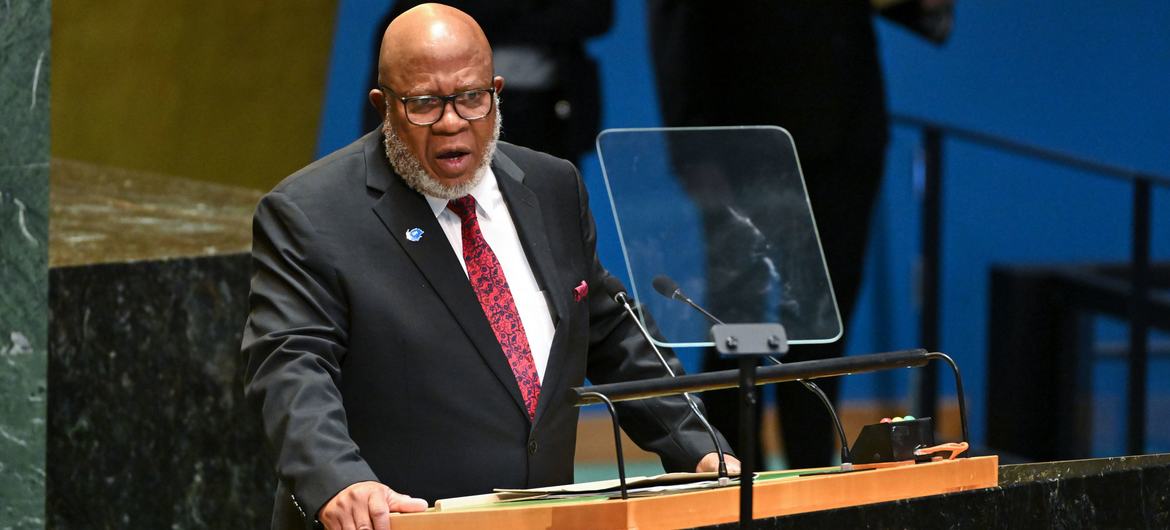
{"x":636,"y":487}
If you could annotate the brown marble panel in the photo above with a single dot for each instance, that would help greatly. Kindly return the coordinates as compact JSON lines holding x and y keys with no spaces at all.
{"x":110,"y":215}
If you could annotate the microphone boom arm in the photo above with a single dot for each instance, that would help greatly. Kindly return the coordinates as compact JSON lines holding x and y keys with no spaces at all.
{"x":621,"y":298}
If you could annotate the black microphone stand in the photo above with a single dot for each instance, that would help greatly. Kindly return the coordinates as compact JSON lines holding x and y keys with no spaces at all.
{"x":622,"y":299}
{"x":748,"y":341}
{"x":846,"y":454}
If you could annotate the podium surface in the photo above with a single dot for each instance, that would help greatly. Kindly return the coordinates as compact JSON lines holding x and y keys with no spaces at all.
{"x":781,"y":496}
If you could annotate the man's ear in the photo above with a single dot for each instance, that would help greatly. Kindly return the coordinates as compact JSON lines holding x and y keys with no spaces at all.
{"x":378,"y":100}
{"x":498,"y":82}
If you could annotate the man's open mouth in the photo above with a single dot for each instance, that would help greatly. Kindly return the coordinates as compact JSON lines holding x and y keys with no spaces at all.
{"x":453,"y":154}
{"x":453,"y":161}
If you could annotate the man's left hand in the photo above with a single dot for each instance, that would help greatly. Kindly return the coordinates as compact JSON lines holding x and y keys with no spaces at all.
{"x":710,"y":463}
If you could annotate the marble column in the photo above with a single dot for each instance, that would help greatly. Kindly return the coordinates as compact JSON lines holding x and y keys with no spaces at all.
{"x":24,"y":228}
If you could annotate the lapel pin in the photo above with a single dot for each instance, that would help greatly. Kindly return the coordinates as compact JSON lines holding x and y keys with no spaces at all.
{"x":414,"y":234}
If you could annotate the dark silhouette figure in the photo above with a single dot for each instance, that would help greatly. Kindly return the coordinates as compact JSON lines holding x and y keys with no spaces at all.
{"x":810,"y":66}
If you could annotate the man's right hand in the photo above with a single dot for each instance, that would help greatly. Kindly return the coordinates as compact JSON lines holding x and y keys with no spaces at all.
{"x":366,"y":506}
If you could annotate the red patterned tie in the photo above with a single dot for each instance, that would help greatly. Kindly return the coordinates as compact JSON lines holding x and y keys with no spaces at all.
{"x":491,"y":287}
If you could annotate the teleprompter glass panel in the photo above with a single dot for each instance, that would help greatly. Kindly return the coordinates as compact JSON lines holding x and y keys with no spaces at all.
{"x":724,"y":213}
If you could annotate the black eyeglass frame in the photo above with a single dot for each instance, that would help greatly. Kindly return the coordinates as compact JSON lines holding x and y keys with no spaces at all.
{"x":450,"y":98}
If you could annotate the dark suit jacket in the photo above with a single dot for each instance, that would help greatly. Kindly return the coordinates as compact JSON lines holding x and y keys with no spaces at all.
{"x":370,"y":359}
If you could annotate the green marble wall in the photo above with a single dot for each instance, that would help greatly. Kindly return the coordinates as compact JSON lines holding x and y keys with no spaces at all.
{"x":24,"y":229}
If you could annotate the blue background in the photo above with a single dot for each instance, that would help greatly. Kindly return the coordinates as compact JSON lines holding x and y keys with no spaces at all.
{"x":1085,"y":77}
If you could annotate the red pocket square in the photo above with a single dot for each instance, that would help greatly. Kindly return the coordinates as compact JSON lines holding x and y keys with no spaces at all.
{"x":580,"y":291}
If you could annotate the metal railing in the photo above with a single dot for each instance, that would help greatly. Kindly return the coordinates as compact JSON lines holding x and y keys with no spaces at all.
{"x":933,"y":134}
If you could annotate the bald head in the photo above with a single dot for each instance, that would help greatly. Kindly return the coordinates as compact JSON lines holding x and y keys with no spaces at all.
{"x":437,"y":55}
{"x":429,"y":37}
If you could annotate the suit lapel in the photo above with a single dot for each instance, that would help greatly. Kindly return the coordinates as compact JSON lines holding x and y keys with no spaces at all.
{"x":530,"y":226}
{"x":400,"y":210}
{"x":529,"y":221}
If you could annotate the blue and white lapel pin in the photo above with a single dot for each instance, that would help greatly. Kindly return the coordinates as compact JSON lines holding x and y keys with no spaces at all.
{"x":414,"y":234}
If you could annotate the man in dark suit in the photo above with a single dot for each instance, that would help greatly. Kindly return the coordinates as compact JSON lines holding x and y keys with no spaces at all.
{"x":422,"y":302}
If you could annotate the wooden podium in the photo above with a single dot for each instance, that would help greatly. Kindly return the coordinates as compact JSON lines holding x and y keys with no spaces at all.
{"x":783,"y":496}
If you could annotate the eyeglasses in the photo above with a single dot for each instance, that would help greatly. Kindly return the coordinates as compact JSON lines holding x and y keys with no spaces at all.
{"x":426,"y":110}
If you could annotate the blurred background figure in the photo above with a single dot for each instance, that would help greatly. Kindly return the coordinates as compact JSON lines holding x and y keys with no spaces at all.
{"x":552,"y":94}
{"x":811,"y":67}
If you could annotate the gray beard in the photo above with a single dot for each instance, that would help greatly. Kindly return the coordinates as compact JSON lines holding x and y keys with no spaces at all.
{"x":411,"y":170}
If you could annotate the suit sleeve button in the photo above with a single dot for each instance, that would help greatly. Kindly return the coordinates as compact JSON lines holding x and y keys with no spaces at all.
{"x":532,"y":447}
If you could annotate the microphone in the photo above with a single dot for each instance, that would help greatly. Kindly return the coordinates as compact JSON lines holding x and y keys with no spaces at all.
{"x":667,"y":287}
{"x":670,"y":289}
{"x":616,"y":290}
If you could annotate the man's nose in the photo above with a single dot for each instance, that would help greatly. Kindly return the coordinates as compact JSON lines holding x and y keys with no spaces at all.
{"x":450,"y":122}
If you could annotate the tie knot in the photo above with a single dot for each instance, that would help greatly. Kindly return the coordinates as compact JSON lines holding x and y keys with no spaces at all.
{"x":464,"y":207}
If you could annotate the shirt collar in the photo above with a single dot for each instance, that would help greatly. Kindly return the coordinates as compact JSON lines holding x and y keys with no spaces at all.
{"x":486,"y":193}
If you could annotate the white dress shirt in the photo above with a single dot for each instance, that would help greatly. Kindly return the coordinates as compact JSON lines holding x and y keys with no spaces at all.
{"x":495,"y":221}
